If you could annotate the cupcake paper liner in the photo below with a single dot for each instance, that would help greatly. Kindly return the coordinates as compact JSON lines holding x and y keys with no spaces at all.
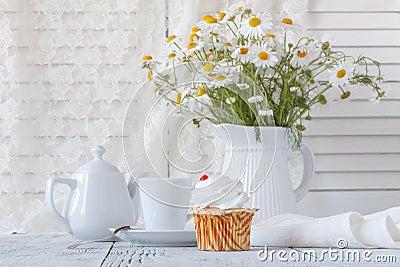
{"x":223,"y":230}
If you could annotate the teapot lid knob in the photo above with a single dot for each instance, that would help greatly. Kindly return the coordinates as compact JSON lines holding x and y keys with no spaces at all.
{"x":98,"y":151}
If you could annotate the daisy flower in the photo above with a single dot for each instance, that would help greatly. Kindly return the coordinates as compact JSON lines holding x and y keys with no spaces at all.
{"x":263,"y":56}
{"x":201,"y":91}
{"x":242,"y":54}
{"x":220,"y":75}
{"x":256,"y":26}
{"x":171,"y":40}
{"x":172,"y":56}
{"x":288,"y":25}
{"x":193,"y":47}
{"x":302,"y":56}
{"x":209,"y":23}
{"x":228,"y":46}
{"x":149,"y":62}
{"x":222,"y":79}
{"x":147,"y":58}
{"x":237,"y":9}
{"x":341,"y":74}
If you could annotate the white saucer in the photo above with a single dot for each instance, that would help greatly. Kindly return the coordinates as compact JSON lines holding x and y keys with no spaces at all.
{"x":159,"y":238}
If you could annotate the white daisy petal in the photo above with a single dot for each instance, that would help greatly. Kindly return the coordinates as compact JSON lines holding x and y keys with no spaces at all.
{"x":263,"y":56}
{"x":341,"y":74}
{"x":256,"y":26}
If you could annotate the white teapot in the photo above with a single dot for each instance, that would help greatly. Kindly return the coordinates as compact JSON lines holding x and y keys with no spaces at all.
{"x":98,"y":199}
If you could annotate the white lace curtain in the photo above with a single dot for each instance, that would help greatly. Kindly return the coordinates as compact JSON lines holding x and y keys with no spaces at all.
{"x":67,"y":72}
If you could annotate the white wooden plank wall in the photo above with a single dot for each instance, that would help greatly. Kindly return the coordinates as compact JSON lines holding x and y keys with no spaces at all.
{"x":357,"y":143}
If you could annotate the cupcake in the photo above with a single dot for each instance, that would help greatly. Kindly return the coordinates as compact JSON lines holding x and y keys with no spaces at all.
{"x":223,"y":229}
{"x":220,"y":221}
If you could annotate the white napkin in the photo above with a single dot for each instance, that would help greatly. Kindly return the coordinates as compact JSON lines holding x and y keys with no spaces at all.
{"x":377,"y":230}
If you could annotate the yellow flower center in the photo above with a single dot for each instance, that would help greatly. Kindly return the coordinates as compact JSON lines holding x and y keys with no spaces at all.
{"x":221,"y":15}
{"x":202,"y":91}
{"x":149,"y":75}
{"x":192,"y":36}
{"x":221,"y":78}
{"x":172,"y":37}
{"x":254,"y":22}
{"x":341,"y":73}
{"x":191,"y":45}
{"x":195,"y":29}
{"x":227,"y":44}
{"x":172,"y":55}
{"x":240,"y":9}
{"x":147,"y":58}
{"x":243,"y":51}
{"x":179,"y":98}
{"x":287,"y":21}
{"x":301,"y":54}
{"x":209,"y":19}
{"x":270,"y":35}
{"x":211,"y":74}
{"x":208,"y":67}
{"x":263,"y":55}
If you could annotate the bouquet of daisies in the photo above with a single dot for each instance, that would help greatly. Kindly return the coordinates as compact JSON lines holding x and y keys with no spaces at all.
{"x":250,"y":69}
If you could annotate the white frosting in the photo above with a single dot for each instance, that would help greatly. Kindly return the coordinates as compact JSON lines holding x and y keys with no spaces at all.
{"x":222,"y":192}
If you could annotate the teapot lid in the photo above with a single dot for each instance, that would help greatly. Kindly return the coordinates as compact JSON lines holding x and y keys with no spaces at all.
{"x":98,"y":164}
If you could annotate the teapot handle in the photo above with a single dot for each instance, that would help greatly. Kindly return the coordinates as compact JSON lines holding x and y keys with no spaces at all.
{"x":308,"y":172}
{"x":63,"y":217}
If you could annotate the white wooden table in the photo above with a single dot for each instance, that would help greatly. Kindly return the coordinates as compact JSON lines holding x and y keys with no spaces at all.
{"x":50,"y":250}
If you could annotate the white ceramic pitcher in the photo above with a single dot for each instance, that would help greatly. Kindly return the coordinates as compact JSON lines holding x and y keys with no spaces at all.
{"x":259,"y":158}
{"x":97,"y":199}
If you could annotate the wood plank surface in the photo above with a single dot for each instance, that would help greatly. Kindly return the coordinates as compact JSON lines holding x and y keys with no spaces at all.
{"x":50,"y":250}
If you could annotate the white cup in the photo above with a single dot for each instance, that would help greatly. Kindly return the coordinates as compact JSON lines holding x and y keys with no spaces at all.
{"x":165,"y":202}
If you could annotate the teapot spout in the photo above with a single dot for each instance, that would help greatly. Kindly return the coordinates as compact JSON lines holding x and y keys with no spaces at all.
{"x":131,"y":183}
{"x":133,"y":189}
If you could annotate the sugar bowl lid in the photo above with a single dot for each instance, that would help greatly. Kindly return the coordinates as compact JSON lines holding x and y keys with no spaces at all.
{"x":98,"y":165}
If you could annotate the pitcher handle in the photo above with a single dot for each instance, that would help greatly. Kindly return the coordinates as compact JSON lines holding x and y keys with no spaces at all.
{"x":308,"y":172}
{"x":63,"y":217}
